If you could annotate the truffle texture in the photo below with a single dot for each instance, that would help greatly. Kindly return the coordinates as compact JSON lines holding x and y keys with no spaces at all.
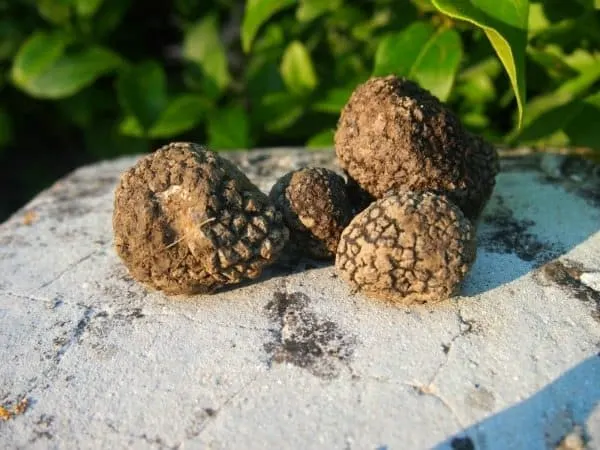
{"x":315,"y":208}
{"x":188,"y":221}
{"x":407,"y":248}
{"x":394,"y":135}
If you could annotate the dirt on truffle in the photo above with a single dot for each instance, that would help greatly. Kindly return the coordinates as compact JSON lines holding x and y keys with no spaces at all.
{"x":188,"y":221}
{"x":407,"y":248}
{"x":315,"y":209}
{"x":394,"y":135}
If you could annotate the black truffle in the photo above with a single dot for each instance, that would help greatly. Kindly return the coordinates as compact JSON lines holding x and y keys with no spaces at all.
{"x":188,"y":221}
{"x":411,"y":247}
{"x":315,"y":208}
{"x":393,"y":135}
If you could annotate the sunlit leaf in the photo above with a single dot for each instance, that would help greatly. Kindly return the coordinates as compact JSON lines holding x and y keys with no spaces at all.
{"x":505,"y":24}
{"x":203,"y":45}
{"x":43,"y":69}
{"x":297,"y":69}
{"x":181,"y":114}
{"x":142,"y":92}
{"x":421,"y":53}
{"x":228,"y":129}
{"x":257,"y":13}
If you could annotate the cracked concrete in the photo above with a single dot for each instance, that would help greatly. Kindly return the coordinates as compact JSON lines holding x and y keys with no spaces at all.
{"x":295,"y":359}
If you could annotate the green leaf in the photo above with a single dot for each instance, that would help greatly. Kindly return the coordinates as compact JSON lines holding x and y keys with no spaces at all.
{"x":203,"y":45}
{"x":131,"y":127}
{"x":229,"y":129}
{"x":277,"y":111}
{"x":6,"y":129}
{"x":36,"y":56}
{"x":582,"y":130}
{"x":541,"y":115}
{"x":297,"y":69}
{"x":309,"y":10}
{"x":323,"y":139}
{"x":142,"y":92}
{"x":87,"y":8}
{"x":574,"y":123}
{"x":505,"y":24}
{"x":57,"y":12}
{"x":334,"y":100}
{"x":11,"y":35}
{"x":181,"y":114}
{"x":422,"y":54}
{"x":257,"y":13}
{"x":54,"y":74}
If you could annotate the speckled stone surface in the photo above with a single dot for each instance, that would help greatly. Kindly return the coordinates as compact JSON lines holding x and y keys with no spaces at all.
{"x":295,"y":359}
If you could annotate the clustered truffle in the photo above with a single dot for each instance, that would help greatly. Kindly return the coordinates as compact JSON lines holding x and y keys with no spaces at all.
{"x":410,"y":247}
{"x":187,"y":221}
{"x":394,"y":135}
{"x":315,"y":209}
{"x":401,"y":227}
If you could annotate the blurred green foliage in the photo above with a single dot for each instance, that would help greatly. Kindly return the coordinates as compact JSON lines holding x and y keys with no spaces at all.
{"x":111,"y":77}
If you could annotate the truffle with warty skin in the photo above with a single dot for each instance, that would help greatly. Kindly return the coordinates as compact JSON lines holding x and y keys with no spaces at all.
{"x":394,"y":135}
{"x":409,"y":247}
{"x":187,"y":221}
{"x":315,"y":209}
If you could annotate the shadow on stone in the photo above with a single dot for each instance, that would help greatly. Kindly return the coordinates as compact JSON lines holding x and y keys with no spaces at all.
{"x":527,"y":224}
{"x":560,"y":408}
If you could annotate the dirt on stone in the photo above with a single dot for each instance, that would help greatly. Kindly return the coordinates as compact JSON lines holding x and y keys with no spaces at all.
{"x":394,"y":135}
{"x":188,"y":221}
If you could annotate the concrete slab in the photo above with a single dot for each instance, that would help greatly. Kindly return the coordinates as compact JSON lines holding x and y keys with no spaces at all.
{"x":514,"y":362}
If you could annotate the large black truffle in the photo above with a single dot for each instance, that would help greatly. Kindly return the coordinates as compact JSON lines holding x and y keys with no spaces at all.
{"x":393,"y":135}
{"x":188,"y":221}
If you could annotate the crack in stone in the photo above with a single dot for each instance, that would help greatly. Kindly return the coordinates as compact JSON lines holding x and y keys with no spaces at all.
{"x":211,"y":413}
{"x":66,"y":270}
{"x":80,"y":328}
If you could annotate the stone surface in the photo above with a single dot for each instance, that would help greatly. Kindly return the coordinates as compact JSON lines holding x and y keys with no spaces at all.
{"x":295,"y":359}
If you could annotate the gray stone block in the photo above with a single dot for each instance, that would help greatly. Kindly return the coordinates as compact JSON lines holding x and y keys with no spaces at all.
{"x":512,"y":363}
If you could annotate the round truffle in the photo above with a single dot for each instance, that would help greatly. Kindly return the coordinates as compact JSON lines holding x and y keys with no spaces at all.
{"x":393,"y":135}
{"x":187,"y":221}
{"x":315,"y":208}
{"x":411,"y":247}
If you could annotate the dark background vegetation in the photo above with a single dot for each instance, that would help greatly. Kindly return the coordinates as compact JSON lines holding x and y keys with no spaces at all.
{"x":83,"y":80}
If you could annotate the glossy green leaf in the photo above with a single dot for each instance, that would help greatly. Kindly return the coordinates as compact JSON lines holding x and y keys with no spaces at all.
{"x":36,"y":56}
{"x":203,"y":45}
{"x":505,"y":24}
{"x":573,"y":123}
{"x":297,"y":69}
{"x":323,"y":139}
{"x":87,"y":8}
{"x":257,"y":13}
{"x":181,"y":114}
{"x":309,"y":10}
{"x":57,"y":74}
{"x":142,"y":92}
{"x":582,"y":130}
{"x":422,"y":54}
{"x":542,"y":115}
{"x":229,"y":129}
